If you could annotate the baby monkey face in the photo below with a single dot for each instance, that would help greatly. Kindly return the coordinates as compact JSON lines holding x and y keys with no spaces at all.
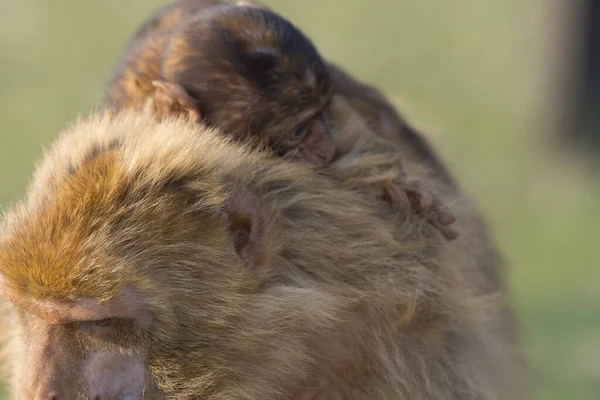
{"x":309,"y":142}
{"x":297,"y":137}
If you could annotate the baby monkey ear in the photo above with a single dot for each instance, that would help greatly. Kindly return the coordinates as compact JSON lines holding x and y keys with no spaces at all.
{"x":171,"y":99}
{"x":247,"y":229}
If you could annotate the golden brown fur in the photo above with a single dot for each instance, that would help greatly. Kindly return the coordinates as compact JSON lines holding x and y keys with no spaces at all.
{"x":351,"y":305}
{"x":131,"y":80}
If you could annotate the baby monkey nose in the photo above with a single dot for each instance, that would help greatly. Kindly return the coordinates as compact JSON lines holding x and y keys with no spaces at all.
{"x":324,"y":145}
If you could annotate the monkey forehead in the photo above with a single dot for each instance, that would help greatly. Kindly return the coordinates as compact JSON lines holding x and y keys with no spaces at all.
{"x":129,"y":304}
{"x":94,"y":196}
{"x":143,"y":149}
{"x":52,"y":245}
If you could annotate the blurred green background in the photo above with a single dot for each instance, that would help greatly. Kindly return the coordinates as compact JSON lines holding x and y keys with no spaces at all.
{"x":472,"y":74}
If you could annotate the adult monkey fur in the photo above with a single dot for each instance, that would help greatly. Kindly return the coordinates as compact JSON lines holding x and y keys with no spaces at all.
{"x":160,"y":260}
{"x":254,"y":75}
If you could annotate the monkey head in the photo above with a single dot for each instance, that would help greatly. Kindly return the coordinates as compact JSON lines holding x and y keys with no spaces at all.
{"x":137,"y":267}
{"x":158,"y":260}
{"x":95,"y":267}
{"x":253,"y":74}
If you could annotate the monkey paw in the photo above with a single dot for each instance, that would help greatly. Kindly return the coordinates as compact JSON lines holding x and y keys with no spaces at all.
{"x":425,"y":202}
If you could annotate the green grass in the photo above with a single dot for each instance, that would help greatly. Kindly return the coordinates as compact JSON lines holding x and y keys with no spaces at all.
{"x":459,"y":69}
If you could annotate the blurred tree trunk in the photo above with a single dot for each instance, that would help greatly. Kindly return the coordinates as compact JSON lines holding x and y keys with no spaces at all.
{"x":586,"y":115}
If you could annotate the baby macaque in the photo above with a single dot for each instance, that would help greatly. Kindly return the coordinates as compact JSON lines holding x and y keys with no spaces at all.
{"x":255,"y":76}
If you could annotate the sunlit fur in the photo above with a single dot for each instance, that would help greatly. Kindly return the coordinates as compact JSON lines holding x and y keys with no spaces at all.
{"x":131,"y":81}
{"x":353,"y":305}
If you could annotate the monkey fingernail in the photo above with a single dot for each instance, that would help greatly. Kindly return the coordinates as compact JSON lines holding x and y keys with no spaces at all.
{"x":446,"y":218}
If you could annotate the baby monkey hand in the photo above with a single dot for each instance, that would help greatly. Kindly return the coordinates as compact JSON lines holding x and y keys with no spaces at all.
{"x":425,"y":202}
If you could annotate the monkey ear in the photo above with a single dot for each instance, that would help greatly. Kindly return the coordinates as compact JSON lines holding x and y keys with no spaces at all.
{"x":171,"y":98}
{"x":247,"y":229}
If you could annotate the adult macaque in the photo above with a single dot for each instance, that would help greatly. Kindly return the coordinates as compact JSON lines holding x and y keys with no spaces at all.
{"x":159,"y":260}
{"x":255,"y":76}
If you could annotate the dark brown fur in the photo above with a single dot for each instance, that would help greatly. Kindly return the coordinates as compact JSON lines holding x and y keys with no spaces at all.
{"x":245,"y":69}
{"x":254,"y":75}
{"x":230,"y":274}
{"x":147,"y":45}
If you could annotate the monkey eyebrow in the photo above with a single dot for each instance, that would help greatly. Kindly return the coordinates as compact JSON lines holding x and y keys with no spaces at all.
{"x":127,"y":306}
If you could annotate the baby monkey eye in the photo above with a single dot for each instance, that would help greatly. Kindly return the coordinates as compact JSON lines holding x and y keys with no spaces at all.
{"x":299,"y":131}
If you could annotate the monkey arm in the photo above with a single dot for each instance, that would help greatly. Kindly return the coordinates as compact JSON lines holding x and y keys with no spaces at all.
{"x":370,"y":162}
{"x":385,"y":121}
